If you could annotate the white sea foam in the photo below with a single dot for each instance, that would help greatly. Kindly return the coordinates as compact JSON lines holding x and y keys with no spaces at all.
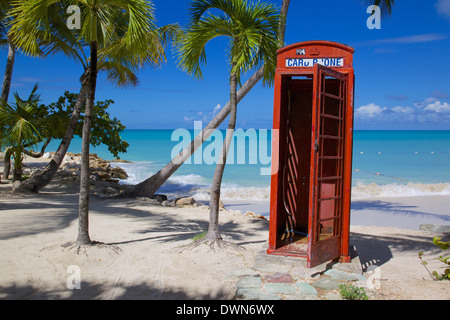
{"x":372,"y":190}
{"x":229,"y":192}
{"x":199,"y":187}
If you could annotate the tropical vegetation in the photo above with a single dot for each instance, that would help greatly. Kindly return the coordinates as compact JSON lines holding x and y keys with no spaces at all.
{"x":251,"y":29}
{"x":120,"y":37}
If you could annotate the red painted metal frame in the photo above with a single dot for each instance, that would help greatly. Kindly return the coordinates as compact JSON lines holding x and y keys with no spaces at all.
{"x":313,"y":49}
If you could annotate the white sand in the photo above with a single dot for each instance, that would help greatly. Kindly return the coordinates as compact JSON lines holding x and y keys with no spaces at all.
{"x":145,"y":255}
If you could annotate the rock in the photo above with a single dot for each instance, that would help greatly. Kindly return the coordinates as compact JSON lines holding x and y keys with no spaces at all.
{"x":159,"y":197}
{"x":249,"y":282}
{"x":254,"y":215}
{"x":185,"y":201}
{"x":16,"y":184}
{"x":168,"y":203}
{"x":327,"y":283}
{"x":103,"y":176}
{"x":279,"y":278}
{"x":110,"y":190}
{"x":119,"y":173}
{"x":122,"y":161}
{"x":280,"y":288}
{"x":306,"y":288}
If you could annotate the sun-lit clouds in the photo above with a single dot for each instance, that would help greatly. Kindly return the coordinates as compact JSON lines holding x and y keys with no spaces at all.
{"x":428,"y":111}
{"x":438,"y":107}
{"x":369,"y":112}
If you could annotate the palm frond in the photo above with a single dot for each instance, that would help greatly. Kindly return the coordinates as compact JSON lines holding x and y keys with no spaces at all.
{"x":252,"y":30}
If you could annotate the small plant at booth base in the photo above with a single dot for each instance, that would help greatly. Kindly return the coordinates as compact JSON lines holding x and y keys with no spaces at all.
{"x":351,"y":292}
{"x":446,"y":260}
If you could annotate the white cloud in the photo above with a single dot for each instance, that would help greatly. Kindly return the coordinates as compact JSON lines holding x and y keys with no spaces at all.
{"x":419,"y":38}
{"x":443,"y":7}
{"x":370,"y":111}
{"x":400,"y":109}
{"x":438,"y":107}
{"x":431,"y":110}
{"x":217,"y":109}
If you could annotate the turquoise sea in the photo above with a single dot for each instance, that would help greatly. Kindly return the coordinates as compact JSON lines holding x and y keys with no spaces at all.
{"x":385,"y":163}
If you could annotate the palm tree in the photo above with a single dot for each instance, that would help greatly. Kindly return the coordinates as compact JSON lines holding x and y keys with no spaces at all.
{"x":122,"y":30}
{"x":149,"y":186}
{"x":39,"y":39}
{"x":20,"y":127}
{"x":252,"y":33}
{"x":5,"y":41}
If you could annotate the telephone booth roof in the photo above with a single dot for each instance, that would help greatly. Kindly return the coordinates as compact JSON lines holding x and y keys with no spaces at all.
{"x":308,"y":53}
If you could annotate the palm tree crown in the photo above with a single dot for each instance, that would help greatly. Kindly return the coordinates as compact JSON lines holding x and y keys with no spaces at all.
{"x":251,"y":29}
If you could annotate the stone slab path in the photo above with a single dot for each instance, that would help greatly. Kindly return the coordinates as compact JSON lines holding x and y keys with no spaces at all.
{"x":287,"y":278}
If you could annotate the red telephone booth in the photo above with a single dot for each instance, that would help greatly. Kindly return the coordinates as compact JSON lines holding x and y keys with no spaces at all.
{"x":312,"y":152}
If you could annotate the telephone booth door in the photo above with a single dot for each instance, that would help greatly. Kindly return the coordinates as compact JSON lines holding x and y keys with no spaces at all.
{"x":311,"y":155}
{"x":327,"y":166}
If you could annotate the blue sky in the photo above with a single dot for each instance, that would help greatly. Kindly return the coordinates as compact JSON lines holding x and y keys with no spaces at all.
{"x":402,"y":70}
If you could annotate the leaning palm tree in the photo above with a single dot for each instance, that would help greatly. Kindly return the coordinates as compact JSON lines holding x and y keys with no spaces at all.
{"x":149,"y":186}
{"x":251,"y":29}
{"x":122,"y":30}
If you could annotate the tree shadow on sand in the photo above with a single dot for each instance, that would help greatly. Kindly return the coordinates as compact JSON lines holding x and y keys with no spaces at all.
{"x":375,"y":250}
{"x":95,"y":291}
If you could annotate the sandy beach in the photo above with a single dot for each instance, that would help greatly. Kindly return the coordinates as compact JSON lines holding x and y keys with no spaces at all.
{"x":146,"y":251}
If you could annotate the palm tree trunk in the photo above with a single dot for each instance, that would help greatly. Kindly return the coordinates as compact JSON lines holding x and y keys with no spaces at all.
{"x":40,"y":180}
{"x":7,"y":163}
{"x":83,"y":208}
{"x":213,"y":233}
{"x":148,"y":187}
{"x":17,"y":174}
{"x":8,"y":72}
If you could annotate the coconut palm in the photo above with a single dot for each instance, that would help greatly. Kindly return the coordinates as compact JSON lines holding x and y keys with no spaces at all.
{"x":149,"y":186}
{"x":5,"y":42}
{"x":54,"y":37}
{"x":20,"y":126}
{"x":251,"y":29}
{"x":122,"y":30}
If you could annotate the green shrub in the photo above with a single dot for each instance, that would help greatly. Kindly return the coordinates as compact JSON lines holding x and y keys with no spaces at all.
{"x":351,"y":292}
{"x":446,"y":260}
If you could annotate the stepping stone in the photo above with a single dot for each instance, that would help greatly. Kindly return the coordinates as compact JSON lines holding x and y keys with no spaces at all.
{"x":306,"y":288}
{"x":327,"y":283}
{"x":280,"y":288}
{"x":255,"y":294}
{"x":249,"y":282}
{"x":279,"y":278}
{"x":344,"y":276}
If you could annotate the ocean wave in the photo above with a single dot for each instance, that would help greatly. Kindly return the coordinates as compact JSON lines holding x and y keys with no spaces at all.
{"x":236,"y":193}
{"x":199,"y":187}
{"x":371,"y":190}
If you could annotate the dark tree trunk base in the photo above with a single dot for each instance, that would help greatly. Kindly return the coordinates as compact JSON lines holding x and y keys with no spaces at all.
{"x":79,"y":248}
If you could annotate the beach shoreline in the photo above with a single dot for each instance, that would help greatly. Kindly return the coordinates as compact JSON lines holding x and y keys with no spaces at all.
{"x":146,"y":251}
